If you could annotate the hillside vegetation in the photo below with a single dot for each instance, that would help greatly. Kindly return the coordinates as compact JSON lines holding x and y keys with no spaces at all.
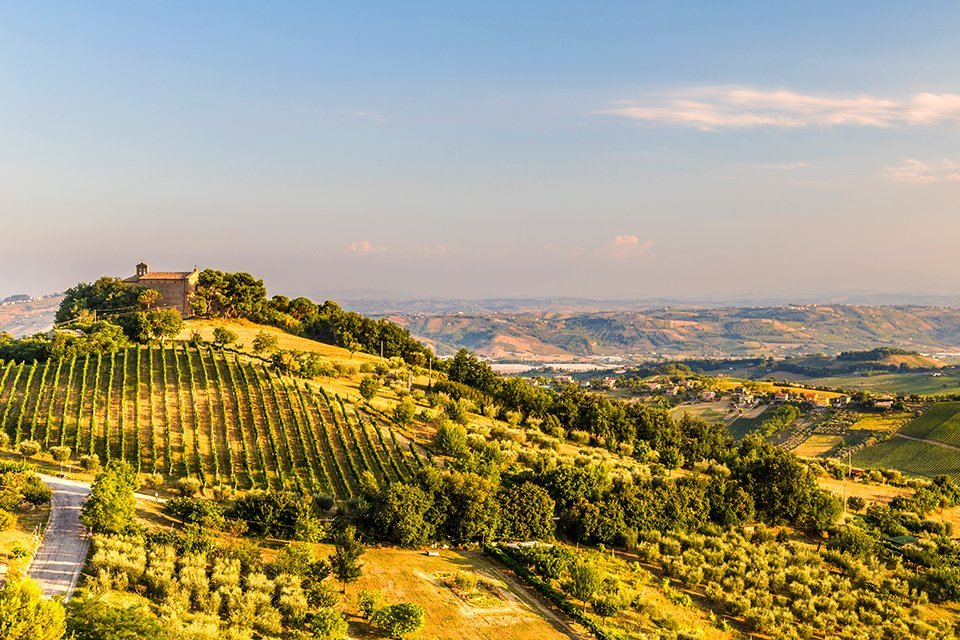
{"x":938,"y":428}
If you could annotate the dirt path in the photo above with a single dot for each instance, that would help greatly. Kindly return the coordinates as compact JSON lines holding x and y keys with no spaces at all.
{"x":63,"y":550}
{"x":933,"y":442}
{"x":533,"y":600}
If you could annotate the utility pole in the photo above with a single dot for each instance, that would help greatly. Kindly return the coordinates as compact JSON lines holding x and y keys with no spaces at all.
{"x":430,"y":376}
{"x":381,"y":348}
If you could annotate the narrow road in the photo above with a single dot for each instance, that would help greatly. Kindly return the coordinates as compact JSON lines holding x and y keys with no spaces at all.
{"x":63,"y":550}
{"x":933,"y":442}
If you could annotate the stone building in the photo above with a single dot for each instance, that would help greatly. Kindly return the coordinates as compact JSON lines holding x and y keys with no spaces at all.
{"x":176,"y":288}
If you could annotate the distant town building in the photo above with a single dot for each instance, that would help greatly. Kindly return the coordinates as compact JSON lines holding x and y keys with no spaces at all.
{"x":708,"y":396}
{"x":176,"y":288}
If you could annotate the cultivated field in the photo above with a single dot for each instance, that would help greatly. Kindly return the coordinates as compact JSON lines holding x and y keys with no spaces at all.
{"x":202,"y":412}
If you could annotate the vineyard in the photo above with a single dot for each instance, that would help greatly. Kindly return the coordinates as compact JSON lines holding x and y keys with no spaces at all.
{"x":202,"y":412}
{"x":912,"y":457}
{"x":941,"y":422}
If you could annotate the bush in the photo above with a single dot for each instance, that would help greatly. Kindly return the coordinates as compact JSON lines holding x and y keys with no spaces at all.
{"x":90,"y":463}
{"x":369,"y":601}
{"x":399,"y":620}
{"x":207,"y":514}
{"x":7,"y":520}
{"x":328,"y":624}
{"x":856,"y":503}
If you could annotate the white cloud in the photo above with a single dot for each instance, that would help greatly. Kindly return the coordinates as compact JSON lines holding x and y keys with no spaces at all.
{"x":912,"y":170}
{"x":629,"y":247}
{"x":712,"y":108}
{"x":364,"y":248}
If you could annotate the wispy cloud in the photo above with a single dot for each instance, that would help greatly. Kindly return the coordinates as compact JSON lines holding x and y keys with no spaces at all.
{"x":912,"y":170}
{"x":364,"y":248}
{"x":363,"y":114}
{"x":786,"y":166}
{"x":712,"y":108}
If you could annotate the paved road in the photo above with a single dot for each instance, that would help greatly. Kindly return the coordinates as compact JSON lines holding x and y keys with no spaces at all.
{"x":57,"y":563}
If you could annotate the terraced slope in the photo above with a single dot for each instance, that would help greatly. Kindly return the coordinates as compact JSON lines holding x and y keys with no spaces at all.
{"x":203,"y":412}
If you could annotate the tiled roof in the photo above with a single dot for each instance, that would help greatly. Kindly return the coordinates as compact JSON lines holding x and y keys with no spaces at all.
{"x":160,"y":275}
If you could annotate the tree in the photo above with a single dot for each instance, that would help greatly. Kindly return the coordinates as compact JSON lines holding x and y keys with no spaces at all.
{"x":526,"y":513}
{"x":60,"y":455}
{"x":148,"y":298}
{"x":399,"y":515}
{"x":301,"y":308}
{"x":585,"y":581}
{"x":111,"y":507}
{"x":222,"y":335}
{"x":93,"y":619}
{"x":345,"y":561}
{"x":399,"y":620}
{"x":264,"y":341}
{"x":26,"y":615}
{"x":369,"y":387}
{"x":404,"y":411}
{"x":450,"y":438}
{"x":28,"y":448}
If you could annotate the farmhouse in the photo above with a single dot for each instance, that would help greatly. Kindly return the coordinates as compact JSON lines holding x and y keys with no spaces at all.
{"x":176,"y":288}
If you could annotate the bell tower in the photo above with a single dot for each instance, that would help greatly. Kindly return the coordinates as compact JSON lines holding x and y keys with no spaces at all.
{"x":142,"y":269}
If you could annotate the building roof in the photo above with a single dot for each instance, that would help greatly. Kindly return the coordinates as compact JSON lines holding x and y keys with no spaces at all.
{"x":160,"y":275}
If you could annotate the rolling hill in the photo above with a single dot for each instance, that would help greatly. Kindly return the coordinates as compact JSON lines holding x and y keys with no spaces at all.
{"x":676,"y":333}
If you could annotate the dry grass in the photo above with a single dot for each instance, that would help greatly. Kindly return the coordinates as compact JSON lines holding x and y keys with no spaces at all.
{"x":817,"y":445}
{"x":411,"y":576}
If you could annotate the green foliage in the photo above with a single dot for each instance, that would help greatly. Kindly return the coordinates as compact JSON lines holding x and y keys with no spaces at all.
{"x":273,"y":513}
{"x":345,"y":561}
{"x":368,"y":601}
{"x":369,"y":387}
{"x":224,"y":336}
{"x":404,"y":411}
{"x":450,"y":438}
{"x":328,"y":624}
{"x":264,"y":341}
{"x":229,"y":295}
{"x":28,"y":448}
{"x":111,"y":507}
{"x":526,"y":513}
{"x":399,"y":515}
{"x":93,"y":619}
{"x":399,"y":620}
{"x":585,"y":580}
{"x":26,"y":615}
{"x":206,"y":513}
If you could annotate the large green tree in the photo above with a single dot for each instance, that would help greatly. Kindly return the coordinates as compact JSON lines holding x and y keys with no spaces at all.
{"x":111,"y":507}
{"x":26,"y":615}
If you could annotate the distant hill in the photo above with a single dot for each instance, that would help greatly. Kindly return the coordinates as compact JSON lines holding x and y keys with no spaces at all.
{"x":677,"y":333}
{"x":21,"y":317}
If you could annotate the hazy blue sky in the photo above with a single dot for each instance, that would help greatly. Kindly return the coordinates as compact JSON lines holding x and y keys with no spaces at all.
{"x":497,"y":148}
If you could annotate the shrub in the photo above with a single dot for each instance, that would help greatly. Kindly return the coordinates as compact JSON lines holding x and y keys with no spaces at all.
{"x":90,"y":463}
{"x":399,"y":620}
{"x":369,"y":601}
{"x":328,"y":624}
{"x":7,"y":520}
{"x":856,"y":503}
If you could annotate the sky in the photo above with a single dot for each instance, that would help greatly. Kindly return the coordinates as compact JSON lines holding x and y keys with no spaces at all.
{"x":495,"y":149}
